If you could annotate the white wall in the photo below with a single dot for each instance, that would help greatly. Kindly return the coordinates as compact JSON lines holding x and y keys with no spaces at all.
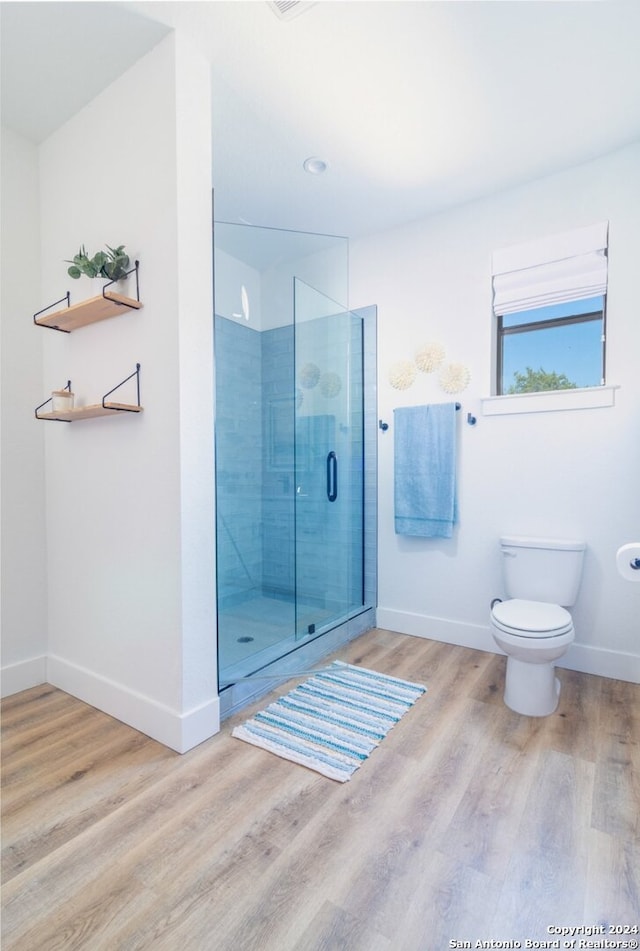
{"x":198,"y":650}
{"x":129,"y":499}
{"x":270,"y":291}
{"x":24,"y":588}
{"x":326,"y":270}
{"x":230,"y":276}
{"x":564,"y":474}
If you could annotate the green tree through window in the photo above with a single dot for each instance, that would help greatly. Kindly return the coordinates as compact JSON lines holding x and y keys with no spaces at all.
{"x":533,"y":381}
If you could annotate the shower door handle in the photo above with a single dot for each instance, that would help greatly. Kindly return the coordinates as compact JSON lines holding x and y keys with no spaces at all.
{"x":332,"y":476}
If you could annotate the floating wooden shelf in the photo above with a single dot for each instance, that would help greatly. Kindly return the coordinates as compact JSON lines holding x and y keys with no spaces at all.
{"x":91,"y":412}
{"x":105,"y":408}
{"x":88,"y":312}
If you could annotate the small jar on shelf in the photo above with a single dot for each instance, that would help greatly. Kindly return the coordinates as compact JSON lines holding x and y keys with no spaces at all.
{"x":62,"y":401}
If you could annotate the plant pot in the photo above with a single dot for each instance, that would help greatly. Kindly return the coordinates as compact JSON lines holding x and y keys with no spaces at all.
{"x":93,"y":286}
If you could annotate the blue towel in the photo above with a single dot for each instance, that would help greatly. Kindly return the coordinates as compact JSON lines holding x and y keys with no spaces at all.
{"x":425,"y":470}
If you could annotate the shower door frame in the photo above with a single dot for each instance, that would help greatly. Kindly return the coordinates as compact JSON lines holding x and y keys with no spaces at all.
{"x":306,"y":653}
{"x":295,"y":655}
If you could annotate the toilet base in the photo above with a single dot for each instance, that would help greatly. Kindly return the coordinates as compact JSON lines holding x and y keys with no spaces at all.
{"x":531,"y":689}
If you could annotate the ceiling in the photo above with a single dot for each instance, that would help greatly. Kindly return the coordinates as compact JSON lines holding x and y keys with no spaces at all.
{"x":416,"y":106}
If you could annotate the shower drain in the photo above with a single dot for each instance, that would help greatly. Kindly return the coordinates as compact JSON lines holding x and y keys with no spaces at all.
{"x":244,"y":640}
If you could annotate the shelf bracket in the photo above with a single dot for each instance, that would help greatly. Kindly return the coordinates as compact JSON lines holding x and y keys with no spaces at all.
{"x":120,"y":300}
{"x":67,"y":387}
{"x":67,"y":297}
{"x":124,"y":303}
{"x":124,"y":409}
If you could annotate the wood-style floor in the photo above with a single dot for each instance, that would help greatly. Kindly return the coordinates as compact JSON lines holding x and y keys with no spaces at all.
{"x":470,"y":823}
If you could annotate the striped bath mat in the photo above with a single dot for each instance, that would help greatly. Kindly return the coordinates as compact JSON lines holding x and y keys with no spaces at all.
{"x":334,"y":720}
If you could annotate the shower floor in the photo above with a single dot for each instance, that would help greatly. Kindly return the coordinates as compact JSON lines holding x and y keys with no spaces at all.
{"x":258,"y":630}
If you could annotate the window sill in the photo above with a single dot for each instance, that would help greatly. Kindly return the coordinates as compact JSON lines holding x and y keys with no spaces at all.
{"x":549,"y":401}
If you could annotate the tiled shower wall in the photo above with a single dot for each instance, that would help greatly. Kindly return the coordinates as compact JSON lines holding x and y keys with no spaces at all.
{"x":255,"y":493}
{"x":278,"y":410}
{"x":256,"y":487}
{"x":238,"y":455}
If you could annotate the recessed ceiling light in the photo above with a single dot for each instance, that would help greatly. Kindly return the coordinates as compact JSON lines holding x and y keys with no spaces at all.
{"x":314,"y":165}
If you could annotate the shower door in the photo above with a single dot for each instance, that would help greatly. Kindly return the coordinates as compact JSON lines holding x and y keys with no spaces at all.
{"x":329,"y":490}
{"x":289,"y":449}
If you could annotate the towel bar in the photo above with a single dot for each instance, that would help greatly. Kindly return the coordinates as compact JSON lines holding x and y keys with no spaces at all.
{"x":471,"y":420}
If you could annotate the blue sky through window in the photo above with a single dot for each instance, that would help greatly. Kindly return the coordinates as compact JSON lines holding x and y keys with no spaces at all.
{"x":571,"y":349}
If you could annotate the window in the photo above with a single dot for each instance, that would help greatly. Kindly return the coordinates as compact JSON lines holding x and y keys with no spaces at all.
{"x":558,"y":347}
{"x":549,"y":302}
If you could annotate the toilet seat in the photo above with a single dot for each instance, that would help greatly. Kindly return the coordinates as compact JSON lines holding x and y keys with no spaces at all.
{"x":531,"y":618}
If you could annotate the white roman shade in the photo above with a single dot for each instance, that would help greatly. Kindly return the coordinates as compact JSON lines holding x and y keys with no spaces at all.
{"x":562,"y":267}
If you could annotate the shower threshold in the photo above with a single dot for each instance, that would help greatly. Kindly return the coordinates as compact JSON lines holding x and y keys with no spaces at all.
{"x":255,"y":663}
{"x":308,"y":653}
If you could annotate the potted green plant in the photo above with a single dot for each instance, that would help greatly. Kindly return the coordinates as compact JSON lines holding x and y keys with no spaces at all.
{"x":112,"y":264}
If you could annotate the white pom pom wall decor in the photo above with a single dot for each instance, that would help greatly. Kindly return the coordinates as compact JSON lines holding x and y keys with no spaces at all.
{"x":430,"y":357}
{"x":402,"y":374}
{"x":330,"y":385}
{"x":454,"y":378}
{"x":309,"y":376}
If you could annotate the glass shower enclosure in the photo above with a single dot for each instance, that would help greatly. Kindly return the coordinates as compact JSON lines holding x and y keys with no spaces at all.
{"x":290,"y":419}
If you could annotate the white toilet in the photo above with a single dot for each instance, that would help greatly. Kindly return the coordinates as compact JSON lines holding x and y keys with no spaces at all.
{"x":541,"y":577}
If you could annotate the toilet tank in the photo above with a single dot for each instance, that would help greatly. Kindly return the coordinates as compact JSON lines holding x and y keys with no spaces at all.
{"x":542,"y":569}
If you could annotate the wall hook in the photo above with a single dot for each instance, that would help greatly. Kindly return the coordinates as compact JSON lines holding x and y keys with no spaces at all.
{"x":471,"y":419}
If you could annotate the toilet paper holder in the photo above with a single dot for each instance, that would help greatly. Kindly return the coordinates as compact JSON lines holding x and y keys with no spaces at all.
{"x":628,"y":561}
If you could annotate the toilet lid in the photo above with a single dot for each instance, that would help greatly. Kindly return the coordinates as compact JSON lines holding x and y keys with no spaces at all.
{"x":534,"y":618}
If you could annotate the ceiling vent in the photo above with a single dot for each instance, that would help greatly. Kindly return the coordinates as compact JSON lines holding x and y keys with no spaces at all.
{"x":288,"y":9}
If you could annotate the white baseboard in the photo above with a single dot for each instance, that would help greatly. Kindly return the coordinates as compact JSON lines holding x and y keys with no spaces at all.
{"x":179,"y":731}
{"x":22,"y":676}
{"x":462,"y":634}
{"x":588,"y":660}
{"x":618,"y":665}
